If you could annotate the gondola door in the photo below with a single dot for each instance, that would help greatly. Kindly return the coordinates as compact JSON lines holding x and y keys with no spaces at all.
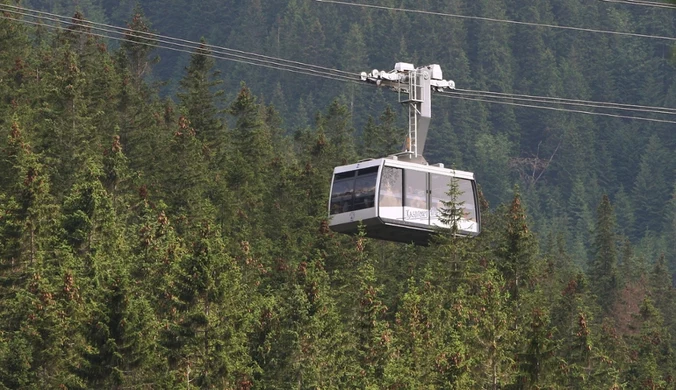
{"x":390,"y":202}
{"x":416,"y":202}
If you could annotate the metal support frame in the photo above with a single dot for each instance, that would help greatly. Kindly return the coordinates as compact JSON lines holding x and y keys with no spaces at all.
{"x":417,"y":84}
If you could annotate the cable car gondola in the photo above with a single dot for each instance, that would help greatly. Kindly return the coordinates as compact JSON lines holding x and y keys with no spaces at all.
{"x":399,"y":200}
{"x":400,"y":197}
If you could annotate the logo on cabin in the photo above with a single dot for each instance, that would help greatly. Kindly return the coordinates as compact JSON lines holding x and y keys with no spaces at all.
{"x":416,"y":214}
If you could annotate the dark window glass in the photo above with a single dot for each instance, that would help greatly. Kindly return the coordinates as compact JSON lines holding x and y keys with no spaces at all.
{"x":341,"y":193}
{"x":354,"y":190}
{"x":365,"y":188}
{"x":368,"y":171}
{"x":344,"y":175}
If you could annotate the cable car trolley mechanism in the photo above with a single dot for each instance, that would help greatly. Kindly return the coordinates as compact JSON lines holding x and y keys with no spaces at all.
{"x":400,"y":197}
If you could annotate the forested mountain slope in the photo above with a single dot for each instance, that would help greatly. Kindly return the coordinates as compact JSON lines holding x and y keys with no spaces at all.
{"x":564,"y":161}
{"x":174,"y":235}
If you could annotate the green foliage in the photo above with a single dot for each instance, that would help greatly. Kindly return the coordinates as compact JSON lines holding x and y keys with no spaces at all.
{"x":381,"y":139}
{"x":198,"y":97}
{"x":137,"y":46}
{"x":603,"y":269}
{"x":651,"y":188}
{"x":517,"y":254}
{"x":493,"y":157}
{"x":153,"y":243}
{"x":652,"y":358}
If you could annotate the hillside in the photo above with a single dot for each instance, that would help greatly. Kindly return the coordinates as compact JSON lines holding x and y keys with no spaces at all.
{"x":163,"y":214}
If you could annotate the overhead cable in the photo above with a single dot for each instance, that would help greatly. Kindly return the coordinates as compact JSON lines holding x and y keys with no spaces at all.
{"x":568,"y":102}
{"x":452,"y":96}
{"x":480,"y":96}
{"x":495,"y":20}
{"x":171,"y":40}
{"x":643,"y":3}
{"x":191,"y":50}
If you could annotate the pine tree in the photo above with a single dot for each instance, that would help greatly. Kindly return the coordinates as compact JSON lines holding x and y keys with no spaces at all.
{"x":337,"y":125}
{"x":651,"y":356}
{"x":383,"y":138}
{"x":537,"y":361}
{"x":651,"y":189}
{"x":582,"y":364}
{"x":492,"y":335}
{"x":307,"y":347}
{"x":372,"y":334}
{"x":137,"y":47}
{"x":198,"y":97}
{"x":603,"y":268}
{"x":517,"y":254}
{"x":492,"y":163}
{"x":41,"y":305}
{"x":206,"y":332}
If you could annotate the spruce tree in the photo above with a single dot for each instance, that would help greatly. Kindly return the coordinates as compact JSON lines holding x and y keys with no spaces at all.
{"x":582,"y":362}
{"x":580,"y":219}
{"x":337,"y":125}
{"x":253,"y":152}
{"x":603,"y":272}
{"x":492,"y":154}
{"x":410,"y":366}
{"x":492,"y":336}
{"x":308,"y":348}
{"x":662,"y":292}
{"x":651,"y":356}
{"x":199,"y":98}
{"x":123,"y":332}
{"x":670,"y":228}
{"x":186,"y":178}
{"x":517,"y":254}
{"x":138,"y":46}
{"x":41,"y":306}
{"x":364,"y":313}
{"x":381,"y":138}
{"x":631,"y":268}
{"x":537,"y":360}
{"x":206,"y":332}
{"x":651,"y":188}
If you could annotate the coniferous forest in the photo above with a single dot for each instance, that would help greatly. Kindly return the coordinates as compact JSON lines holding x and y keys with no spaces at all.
{"x":163,"y":215}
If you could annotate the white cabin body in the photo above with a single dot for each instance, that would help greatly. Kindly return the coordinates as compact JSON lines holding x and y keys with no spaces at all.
{"x":399,"y":201}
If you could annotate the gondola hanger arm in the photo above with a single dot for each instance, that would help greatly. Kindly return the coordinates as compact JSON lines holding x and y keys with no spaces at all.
{"x":417,"y":84}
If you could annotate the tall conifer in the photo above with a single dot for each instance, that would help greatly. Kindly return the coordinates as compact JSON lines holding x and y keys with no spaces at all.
{"x":603,"y":268}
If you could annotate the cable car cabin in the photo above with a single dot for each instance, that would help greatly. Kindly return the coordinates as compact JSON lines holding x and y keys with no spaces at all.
{"x":399,"y":200}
